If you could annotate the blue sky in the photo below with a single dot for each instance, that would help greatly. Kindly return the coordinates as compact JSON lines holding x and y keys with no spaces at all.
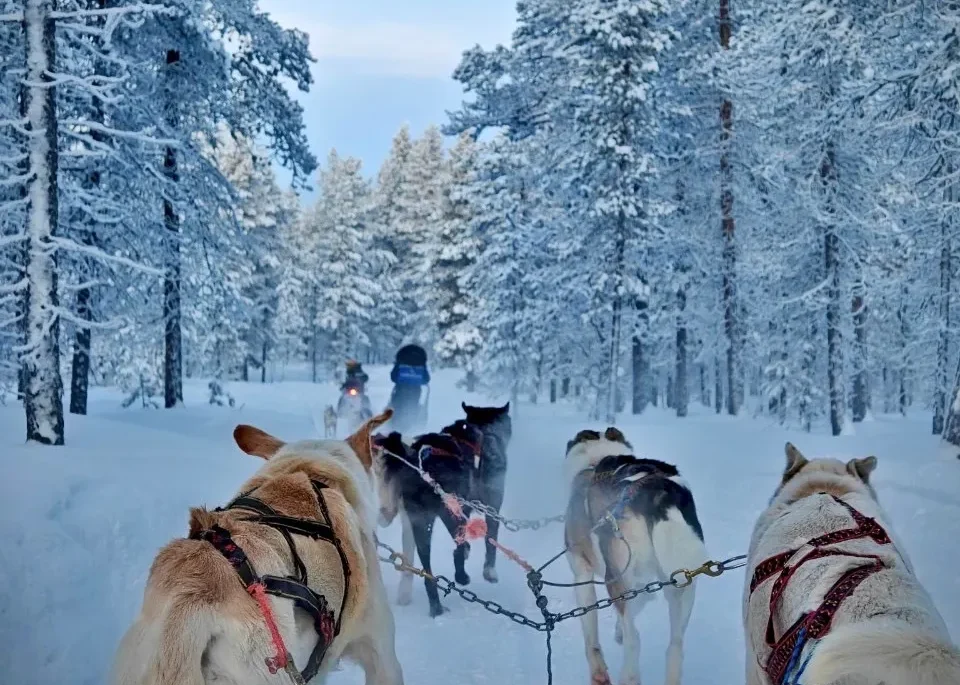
{"x":381,"y":63}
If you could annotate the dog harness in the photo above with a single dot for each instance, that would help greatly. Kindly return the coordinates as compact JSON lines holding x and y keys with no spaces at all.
{"x":815,"y":624}
{"x":294,"y":587}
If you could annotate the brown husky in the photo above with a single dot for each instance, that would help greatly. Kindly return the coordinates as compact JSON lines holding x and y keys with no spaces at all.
{"x":295,"y":551}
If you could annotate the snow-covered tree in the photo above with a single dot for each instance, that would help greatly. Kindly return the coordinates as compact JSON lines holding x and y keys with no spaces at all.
{"x":453,"y":250}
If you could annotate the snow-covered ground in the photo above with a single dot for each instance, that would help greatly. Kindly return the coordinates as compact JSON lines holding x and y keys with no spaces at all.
{"x":79,"y":527}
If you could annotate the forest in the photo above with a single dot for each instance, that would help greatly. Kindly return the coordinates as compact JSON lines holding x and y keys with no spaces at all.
{"x":743,"y":204}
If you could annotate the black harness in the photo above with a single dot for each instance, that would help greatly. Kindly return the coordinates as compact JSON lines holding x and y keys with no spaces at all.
{"x":295,"y":587}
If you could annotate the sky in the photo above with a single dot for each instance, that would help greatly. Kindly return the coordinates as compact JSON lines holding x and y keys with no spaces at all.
{"x":382,"y":63}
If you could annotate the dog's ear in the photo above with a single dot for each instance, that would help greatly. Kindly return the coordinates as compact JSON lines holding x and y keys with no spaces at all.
{"x":862,"y":468}
{"x":256,"y":442}
{"x":360,"y":441}
{"x":795,"y":462}
{"x":615,"y":435}
{"x":583,"y":436}
{"x":505,"y":409}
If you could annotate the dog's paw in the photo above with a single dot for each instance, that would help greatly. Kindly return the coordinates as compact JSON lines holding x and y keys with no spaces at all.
{"x":462,"y":578}
{"x":404,"y":598}
{"x":618,"y":635}
{"x":490,"y":575}
{"x":602,"y":678}
{"x":438,"y":610}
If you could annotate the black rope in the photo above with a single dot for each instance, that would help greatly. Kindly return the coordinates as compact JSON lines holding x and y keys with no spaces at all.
{"x":614,"y":579}
{"x":549,"y":657}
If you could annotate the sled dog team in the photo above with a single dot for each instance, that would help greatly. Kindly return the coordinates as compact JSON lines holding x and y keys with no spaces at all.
{"x":282,"y":582}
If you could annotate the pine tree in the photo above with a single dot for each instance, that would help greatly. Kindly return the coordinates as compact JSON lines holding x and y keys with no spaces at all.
{"x":451,"y":253}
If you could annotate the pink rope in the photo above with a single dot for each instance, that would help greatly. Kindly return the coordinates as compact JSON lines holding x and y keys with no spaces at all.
{"x":510,"y":554}
{"x":274,"y":663}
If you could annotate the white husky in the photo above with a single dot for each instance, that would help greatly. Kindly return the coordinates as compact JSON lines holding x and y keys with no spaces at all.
{"x":830,"y":595}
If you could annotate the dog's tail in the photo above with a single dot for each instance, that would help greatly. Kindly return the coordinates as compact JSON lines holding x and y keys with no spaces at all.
{"x":165,"y":651}
{"x":884,"y":652}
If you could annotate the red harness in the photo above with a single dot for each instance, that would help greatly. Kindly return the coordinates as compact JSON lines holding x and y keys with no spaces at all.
{"x":815,"y":624}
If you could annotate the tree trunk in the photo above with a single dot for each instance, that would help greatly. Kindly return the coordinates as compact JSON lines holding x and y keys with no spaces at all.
{"x":263,"y":362}
{"x":681,"y":392}
{"x":22,"y":259}
{"x":616,"y":322}
{"x":173,"y":344}
{"x":641,"y":392}
{"x":314,"y":347}
{"x":951,"y":426}
{"x":43,"y":400}
{"x":831,"y":253}
{"x":808,"y":365}
{"x":861,"y":388}
{"x":943,"y":339}
{"x":564,"y":387}
{"x":717,"y":386}
{"x":729,"y":268}
{"x":80,"y":376}
{"x":887,"y":392}
{"x":904,"y":399}
{"x":553,"y":391}
{"x":704,"y":392}
{"x":80,"y":369}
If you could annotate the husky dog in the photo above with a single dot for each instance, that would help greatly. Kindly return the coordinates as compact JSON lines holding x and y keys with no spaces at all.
{"x":497,"y":429}
{"x":629,"y":521}
{"x":329,"y":422}
{"x":830,"y":593}
{"x":295,"y":552}
{"x":449,"y":457}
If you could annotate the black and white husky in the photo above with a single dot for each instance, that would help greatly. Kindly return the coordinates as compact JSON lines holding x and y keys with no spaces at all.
{"x":629,"y":521}
{"x":449,"y":458}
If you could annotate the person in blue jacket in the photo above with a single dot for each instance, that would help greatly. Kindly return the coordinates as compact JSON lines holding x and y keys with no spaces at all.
{"x":409,"y":375}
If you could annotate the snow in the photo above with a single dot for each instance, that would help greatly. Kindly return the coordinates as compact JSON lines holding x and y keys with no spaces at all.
{"x":82,"y":523}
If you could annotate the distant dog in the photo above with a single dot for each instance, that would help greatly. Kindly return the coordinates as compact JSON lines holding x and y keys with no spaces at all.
{"x":830,"y":593}
{"x":497,"y":429}
{"x":298,"y":544}
{"x":630,"y":521}
{"x":449,"y":457}
{"x":329,"y":422}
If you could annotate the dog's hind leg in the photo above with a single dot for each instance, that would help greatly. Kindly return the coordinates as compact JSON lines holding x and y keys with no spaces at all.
{"x":680,"y":603}
{"x":586,"y":595}
{"x":422,"y":524}
{"x":627,"y":614}
{"x":493,"y":497}
{"x":405,"y":590}
{"x":460,"y":551}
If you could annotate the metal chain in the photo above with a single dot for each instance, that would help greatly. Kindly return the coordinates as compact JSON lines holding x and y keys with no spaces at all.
{"x":535,"y":582}
{"x":446,"y":586}
{"x":709,"y":568}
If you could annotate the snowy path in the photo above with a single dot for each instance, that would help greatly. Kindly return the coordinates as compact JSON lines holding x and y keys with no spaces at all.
{"x":80,"y":527}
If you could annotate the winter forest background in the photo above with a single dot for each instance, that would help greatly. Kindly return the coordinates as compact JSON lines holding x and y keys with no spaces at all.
{"x":742,"y":203}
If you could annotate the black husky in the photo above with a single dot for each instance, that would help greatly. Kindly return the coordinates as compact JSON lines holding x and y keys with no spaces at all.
{"x":450,"y":458}
{"x":495,"y":425}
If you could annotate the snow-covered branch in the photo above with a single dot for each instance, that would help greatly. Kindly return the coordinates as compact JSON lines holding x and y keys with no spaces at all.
{"x":100,"y":255}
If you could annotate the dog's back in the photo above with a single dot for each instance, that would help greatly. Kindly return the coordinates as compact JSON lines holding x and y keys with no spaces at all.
{"x":656,"y":507}
{"x":845,"y":566}
{"x":304,"y":520}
